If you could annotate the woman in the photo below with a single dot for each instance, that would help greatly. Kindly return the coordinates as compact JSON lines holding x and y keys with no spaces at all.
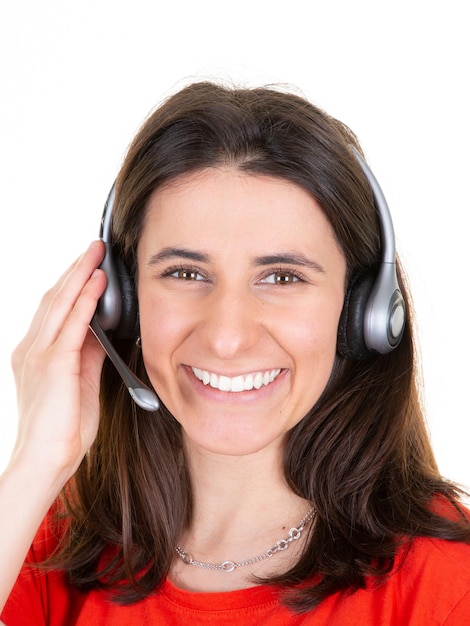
{"x":287,"y":477}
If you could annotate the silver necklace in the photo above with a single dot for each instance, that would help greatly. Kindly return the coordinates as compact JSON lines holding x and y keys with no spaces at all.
{"x":229,"y":566}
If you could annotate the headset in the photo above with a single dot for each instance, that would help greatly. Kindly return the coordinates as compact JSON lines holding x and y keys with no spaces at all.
{"x":374,"y":313}
{"x":372,"y":320}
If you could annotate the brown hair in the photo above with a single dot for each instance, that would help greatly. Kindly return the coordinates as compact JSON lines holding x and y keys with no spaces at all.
{"x":361,"y":456}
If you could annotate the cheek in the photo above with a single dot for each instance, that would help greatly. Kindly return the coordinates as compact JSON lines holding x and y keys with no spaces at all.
{"x":162,"y":327}
{"x":313,"y":331}
{"x":312,"y":343}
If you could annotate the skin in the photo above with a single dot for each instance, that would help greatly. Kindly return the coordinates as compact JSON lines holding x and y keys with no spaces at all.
{"x":234,"y":310}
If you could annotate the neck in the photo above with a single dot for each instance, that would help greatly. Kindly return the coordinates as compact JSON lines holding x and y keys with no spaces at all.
{"x":234,"y":487}
{"x":242,"y":507}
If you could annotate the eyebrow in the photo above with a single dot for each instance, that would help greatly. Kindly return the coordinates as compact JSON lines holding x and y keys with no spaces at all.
{"x":281,"y":258}
{"x":182,"y":253}
{"x":289,"y":258}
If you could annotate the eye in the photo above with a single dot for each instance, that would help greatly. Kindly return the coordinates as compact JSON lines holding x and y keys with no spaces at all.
{"x":281,"y":277}
{"x":184,"y":273}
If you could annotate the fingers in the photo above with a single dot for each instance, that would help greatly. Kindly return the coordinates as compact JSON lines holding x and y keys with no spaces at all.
{"x":80,"y":283}
{"x":77,"y":293}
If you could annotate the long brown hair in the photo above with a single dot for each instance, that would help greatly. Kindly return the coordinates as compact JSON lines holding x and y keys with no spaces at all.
{"x":361,"y":456}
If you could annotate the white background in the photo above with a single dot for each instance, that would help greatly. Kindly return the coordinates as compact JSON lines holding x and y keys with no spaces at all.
{"x":78,"y":78}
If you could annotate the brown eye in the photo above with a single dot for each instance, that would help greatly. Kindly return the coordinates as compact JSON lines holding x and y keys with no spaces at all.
{"x":183,"y":273}
{"x":187,"y":274}
{"x":281,"y":278}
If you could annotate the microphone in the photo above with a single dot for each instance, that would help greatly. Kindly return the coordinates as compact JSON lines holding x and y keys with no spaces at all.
{"x":139,"y":392}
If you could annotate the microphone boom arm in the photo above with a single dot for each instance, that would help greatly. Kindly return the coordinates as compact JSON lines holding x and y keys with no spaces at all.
{"x":139,"y":392}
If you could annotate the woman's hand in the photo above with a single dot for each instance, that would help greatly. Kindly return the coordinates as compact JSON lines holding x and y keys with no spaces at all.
{"x":57,"y":368}
{"x":57,"y":371}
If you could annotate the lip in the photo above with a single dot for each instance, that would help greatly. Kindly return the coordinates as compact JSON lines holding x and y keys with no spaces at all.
{"x":217,"y":394}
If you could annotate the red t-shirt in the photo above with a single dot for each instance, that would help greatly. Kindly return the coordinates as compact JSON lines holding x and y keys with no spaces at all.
{"x":431,"y":588}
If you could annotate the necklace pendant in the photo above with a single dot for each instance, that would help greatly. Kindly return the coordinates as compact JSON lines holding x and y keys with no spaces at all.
{"x":228,"y":566}
{"x":186,"y":557}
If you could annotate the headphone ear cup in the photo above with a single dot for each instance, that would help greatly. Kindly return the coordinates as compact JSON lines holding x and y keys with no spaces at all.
{"x":128,"y":327}
{"x":351,"y":342}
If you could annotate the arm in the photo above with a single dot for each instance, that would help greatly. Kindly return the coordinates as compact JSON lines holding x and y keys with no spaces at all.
{"x":57,"y":371}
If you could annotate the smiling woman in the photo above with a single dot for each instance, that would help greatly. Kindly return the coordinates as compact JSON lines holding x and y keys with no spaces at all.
{"x":287,"y":476}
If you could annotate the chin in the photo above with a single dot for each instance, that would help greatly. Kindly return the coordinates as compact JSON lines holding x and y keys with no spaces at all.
{"x":232,"y":442}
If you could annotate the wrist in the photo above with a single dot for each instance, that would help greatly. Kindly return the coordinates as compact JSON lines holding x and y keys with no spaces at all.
{"x":32,"y":483}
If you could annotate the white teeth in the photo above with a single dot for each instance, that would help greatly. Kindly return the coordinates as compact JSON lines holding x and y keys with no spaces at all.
{"x":248,"y":382}
{"x":258,"y":380}
{"x":237,"y":383}
{"x":225,"y":383}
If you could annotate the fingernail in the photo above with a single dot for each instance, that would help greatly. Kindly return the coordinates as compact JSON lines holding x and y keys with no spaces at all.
{"x":95,"y":274}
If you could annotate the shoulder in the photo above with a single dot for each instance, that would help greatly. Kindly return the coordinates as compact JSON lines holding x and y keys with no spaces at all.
{"x":437,"y":566}
{"x":427,"y":556}
{"x":432,"y":580}
{"x":430,"y":585}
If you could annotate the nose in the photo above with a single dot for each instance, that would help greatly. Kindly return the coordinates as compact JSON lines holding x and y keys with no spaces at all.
{"x":231,"y":323}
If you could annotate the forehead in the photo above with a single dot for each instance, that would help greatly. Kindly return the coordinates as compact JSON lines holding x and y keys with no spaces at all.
{"x":227,"y":208}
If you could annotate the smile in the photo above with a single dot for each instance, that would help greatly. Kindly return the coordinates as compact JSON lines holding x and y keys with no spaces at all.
{"x":244,"y":382}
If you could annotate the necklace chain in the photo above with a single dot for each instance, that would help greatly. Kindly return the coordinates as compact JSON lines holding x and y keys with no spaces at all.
{"x":229,"y":566}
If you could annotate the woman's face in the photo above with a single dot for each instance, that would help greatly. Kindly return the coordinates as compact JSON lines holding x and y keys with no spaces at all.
{"x":240,"y":288}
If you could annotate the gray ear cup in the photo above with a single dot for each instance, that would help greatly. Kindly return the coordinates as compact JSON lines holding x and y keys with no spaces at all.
{"x":384,"y":319}
{"x":117,"y":309}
